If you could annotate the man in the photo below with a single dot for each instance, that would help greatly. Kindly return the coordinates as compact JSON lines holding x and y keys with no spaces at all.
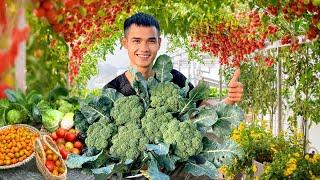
{"x":142,"y":41}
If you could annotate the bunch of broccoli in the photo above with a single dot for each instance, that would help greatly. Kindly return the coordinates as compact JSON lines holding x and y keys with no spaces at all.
{"x":129,"y":142}
{"x":100,"y":133}
{"x":184,"y":137}
{"x":167,"y":94}
{"x":127,"y":109}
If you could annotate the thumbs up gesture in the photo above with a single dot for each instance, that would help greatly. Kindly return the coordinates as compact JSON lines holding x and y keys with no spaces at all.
{"x":235,"y":89}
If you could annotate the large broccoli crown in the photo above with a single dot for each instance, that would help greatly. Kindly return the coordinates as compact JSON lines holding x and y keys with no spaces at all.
{"x":184,"y":137}
{"x":127,"y":109}
{"x":129,"y":142}
{"x":99,"y":134}
{"x":167,"y":94}
{"x":153,"y":120}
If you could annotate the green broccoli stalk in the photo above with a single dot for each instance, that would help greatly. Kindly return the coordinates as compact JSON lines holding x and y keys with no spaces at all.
{"x":152,"y":122}
{"x":129,"y":143}
{"x":99,"y":134}
{"x":167,"y":94}
{"x":184,"y":137}
{"x":127,"y":109}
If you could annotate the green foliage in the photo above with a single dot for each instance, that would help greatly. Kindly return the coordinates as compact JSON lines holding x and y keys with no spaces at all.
{"x":206,"y":168}
{"x":152,"y":122}
{"x":128,"y":143}
{"x":127,"y":109}
{"x":99,"y":134}
{"x":162,"y":67}
{"x":76,"y":161}
{"x":47,"y":57}
{"x":184,"y":137}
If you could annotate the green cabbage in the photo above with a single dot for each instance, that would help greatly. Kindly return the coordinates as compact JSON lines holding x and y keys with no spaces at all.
{"x":14,"y":117}
{"x":51,"y":119}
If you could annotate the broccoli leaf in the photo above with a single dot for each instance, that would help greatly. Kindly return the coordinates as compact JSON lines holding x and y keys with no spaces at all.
{"x":76,"y":161}
{"x":184,"y":91}
{"x":162,"y":67}
{"x":152,"y":82}
{"x":167,"y":161}
{"x":159,"y":149}
{"x":219,"y":108}
{"x":140,"y":85}
{"x":153,"y":170}
{"x":222,"y":128}
{"x":97,"y":108}
{"x":206,"y":117}
{"x":112,"y":94}
{"x":80,"y":122}
{"x":103,"y":170}
{"x":200,"y":92}
{"x":222,"y":153}
{"x":233,"y":114}
{"x":206,"y":168}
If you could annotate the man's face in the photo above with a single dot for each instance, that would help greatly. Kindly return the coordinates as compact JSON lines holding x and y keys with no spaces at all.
{"x":142,"y":44}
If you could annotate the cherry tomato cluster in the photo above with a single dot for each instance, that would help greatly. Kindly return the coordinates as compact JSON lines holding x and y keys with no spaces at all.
{"x":16,"y":144}
{"x":67,"y":142}
{"x":80,"y":23}
{"x":53,"y":164}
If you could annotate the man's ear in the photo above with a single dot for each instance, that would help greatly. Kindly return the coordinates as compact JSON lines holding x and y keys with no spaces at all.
{"x":124,"y":42}
{"x":159,"y":40}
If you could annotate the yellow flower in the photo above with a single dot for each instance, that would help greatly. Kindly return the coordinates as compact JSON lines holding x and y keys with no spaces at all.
{"x":290,"y":167}
{"x":241,"y":126}
{"x":223,"y":169}
{"x":254,"y":168}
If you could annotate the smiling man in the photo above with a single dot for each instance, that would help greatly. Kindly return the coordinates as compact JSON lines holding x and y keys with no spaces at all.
{"x":142,"y":41}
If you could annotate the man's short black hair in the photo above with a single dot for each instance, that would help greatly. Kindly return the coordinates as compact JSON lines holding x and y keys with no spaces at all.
{"x":141,"y":19}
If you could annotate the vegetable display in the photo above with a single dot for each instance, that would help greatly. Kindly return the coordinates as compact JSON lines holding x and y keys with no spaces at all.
{"x":148,"y":133}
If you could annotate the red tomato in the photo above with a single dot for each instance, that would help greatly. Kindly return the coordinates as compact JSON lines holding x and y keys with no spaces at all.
{"x":75,"y":151}
{"x":54,"y":136}
{"x":70,"y":136}
{"x":50,"y":165}
{"x":61,"y":132}
{"x":60,"y":141}
{"x":64,"y":154}
{"x":77,"y":145}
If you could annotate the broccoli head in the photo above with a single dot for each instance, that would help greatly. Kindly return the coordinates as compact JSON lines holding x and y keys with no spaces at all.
{"x":167,"y":94}
{"x":184,"y":137}
{"x":127,"y":109}
{"x":129,"y":142}
{"x":153,"y":120}
{"x":99,"y":134}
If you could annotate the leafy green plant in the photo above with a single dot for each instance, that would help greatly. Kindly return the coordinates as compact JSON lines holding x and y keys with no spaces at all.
{"x":133,"y":150}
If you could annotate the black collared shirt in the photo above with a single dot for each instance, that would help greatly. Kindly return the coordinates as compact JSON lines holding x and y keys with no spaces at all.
{"x":122,"y":84}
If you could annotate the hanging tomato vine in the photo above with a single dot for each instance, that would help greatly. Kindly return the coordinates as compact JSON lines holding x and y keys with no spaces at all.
{"x":81,"y":23}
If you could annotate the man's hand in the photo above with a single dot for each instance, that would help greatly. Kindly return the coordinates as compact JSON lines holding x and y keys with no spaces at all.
{"x":235,"y":89}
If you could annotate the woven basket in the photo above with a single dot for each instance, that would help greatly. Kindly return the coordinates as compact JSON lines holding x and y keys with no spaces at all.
{"x":32,"y":129}
{"x":41,"y":158}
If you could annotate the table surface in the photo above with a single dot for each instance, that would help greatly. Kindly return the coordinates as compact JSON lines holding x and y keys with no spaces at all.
{"x":30,"y":171}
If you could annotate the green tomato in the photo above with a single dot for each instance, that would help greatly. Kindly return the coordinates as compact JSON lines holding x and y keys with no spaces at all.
{"x":14,"y":117}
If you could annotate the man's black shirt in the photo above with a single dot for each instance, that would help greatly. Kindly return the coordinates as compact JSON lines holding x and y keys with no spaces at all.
{"x":122,"y":84}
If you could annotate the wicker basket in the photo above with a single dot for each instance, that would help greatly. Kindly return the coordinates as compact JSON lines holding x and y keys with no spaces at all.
{"x":32,"y":129}
{"x":41,"y":158}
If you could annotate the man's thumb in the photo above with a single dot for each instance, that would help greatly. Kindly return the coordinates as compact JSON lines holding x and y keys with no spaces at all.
{"x":235,"y":75}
